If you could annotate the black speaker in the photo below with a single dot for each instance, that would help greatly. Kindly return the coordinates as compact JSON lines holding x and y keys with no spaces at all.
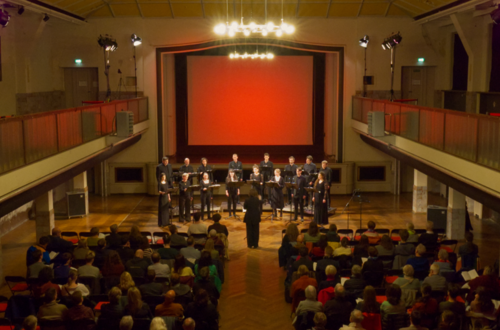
{"x":76,"y":204}
{"x":438,"y":215}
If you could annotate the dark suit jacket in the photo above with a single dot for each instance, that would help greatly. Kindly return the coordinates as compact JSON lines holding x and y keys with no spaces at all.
{"x":112,"y":311}
{"x":152,"y":289}
{"x":373,"y":265}
{"x":164,"y":169}
{"x":252,"y":205}
{"x":429,"y":240}
{"x":113,"y":241}
{"x":59,"y":244}
{"x":137,"y":267}
{"x":303,"y":261}
{"x":220,"y":228}
{"x":321,"y":267}
{"x":177,"y":240}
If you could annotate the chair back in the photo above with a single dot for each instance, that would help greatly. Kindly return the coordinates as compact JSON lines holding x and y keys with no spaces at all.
{"x":304,"y":321}
{"x":373,"y":278}
{"x":91,"y":282}
{"x":372,"y":321}
{"x":17,"y":284}
{"x":346,"y":232}
{"x":80,"y":324}
{"x":85,"y":234}
{"x":395,"y":321}
{"x":387,"y":261}
{"x":47,"y":324}
{"x":141,"y":324}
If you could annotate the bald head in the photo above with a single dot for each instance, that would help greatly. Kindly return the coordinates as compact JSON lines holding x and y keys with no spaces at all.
{"x":213,"y":233}
{"x":56,"y":231}
{"x":357,"y":316}
{"x":139,"y":254}
{"x":188,"y":324}
{"x":169,"y":297}
{"x":434,"y":269}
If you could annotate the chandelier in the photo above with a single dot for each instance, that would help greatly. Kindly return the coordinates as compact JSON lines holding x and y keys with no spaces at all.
{"x":262,"y":56}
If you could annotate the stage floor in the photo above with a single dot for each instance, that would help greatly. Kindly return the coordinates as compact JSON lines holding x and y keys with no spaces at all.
{"x":253,"y":294}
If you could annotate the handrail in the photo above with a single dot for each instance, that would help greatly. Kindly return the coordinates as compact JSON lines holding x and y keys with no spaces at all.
{"x":474,"y":137}
{"x":29,"y":138}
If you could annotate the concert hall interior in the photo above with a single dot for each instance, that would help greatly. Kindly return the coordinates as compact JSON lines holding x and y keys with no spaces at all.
{"x":111,"y":107}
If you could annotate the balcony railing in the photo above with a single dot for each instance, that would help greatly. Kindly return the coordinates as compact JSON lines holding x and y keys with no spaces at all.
{"x":27,"y":139}
{"x":469,"y":136}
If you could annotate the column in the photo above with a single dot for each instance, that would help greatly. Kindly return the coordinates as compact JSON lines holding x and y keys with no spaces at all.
{"x":443,"y":190}
{"x":2,"y":282}
{"x":419,"y":192}
{"x":478,"y":210}
{"x":44,"y":214}
{"x":80,"y":185}
{"x":455,"y":225}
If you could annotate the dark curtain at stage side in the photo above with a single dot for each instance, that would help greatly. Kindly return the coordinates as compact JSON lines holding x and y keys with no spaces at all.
{"x":495,"y":63}
{"x":460,"y":65}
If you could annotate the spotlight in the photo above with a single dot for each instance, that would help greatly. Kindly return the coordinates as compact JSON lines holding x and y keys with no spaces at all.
{"x":391,"y":41}
{"x":46,"y":18}
{"x":290,"y":29}
{"x":136,"y":40}
{"x":220,"y":29}
{"x":246,"y":32}
{"x":264,"y":32}
{"x":107,"y":42}
{"x":20,"y":11}
{"x":231,"y":33}
{"x":4,"y":18}
{"x":363,"y":42}
{"x":279,"y":33}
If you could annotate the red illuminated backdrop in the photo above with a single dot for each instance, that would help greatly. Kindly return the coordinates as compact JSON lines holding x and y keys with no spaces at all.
{"x":250,"y":102}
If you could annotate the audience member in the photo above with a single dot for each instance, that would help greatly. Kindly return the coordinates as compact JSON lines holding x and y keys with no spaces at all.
{"x":373,"y":264}
{"x":413,"y":236}
{"x":418,"y":262}
{"x":312,"y":235}
{"x":190,"y":252}
{"x":220,"y":228}
{"x":326,"y":261}
{"x":137,"y":266}
{"x":343,"y":249}
{"x":204,"y":314}
{"x":385,"y":247}
{"x":369,"y":303}
{"x":45,"y":276}
{"x":393,"y":304}
{"x":113,"y":265}
{"x":166,"y":252}
{"x":361,"y":250}
{"x":114,"y":310}
{"x":51,"y":310}
{"x":303,"y":259}
{"x":214,"y":236}
{"x":416,"y":321}
{"x":319,"y":249}
{"x":332,"y":235}
{"x":88,"y":269}
{"x":175,"y":238}
{"x":135,"y":238}
{"x":36,"y":266}
{"x":487,"y":280}
{"x":198,"y":227}
{"x":57,"y":243}
{"x":404,"y":248}
{"x":100,"y":253}
{"x":303,"y":281}
{"x":188,"y":324}
{"x":181,"y":268}
{"x":161,"y":270}
{"x":157,"y":323}
{"x":125,"y":251}
{"x":448,"y":321}
{"x":30,"y":323}
{"x":356,"y":284}
{"x":78,"y":311}
{"x":113,"y":240}
{"x":458,"y":308}
{"x":429,"y":239}
{"x":208,"y":285}
{"x":41,"y":246}
{"x":62,"y":271}
{"x":136,"y":307}
{"x":72,"y":287}
{"x":291,"y":234}
{"x":126,"y":282}
{"x":183,"y":294}
{"x":168,"y":307}
{"x":356,"y":319}
{"x":146,"y":248}
{"x":427,"y":305}
{"x":81,"y":251}
{"x":319,"y":321}
{"x":151,"y":288}
{"x":206,"y":261}
{"x":94,"y":237}
{"x":408,"y":282}
{"x":210,"y":247}
{"x":371,"y":230}
{"x":443,"y":263}
{"x":126,"y":323}
{"x":311,"y":304}
{"x":469,"y":248}
{"x":436,"y":281}
{"x":338,"y":309}
{"x":331,"y":279}
{"x":482,"y":303}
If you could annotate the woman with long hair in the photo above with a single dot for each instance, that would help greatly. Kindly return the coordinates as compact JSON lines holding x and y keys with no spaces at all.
{"x":448,"y":321}
{"x":343,"y":249}
{"x":135,"y":306}
{"x":163,"y":202}
{"x":319,"y":250}
{"x":385,"y":247}
{"x":205,"y":195}
{"x":319,"y":200}
{"x":72,"y":286}
{"x":206,"y":261}
{"x":258,"y":183}
{"x":135,"y":238}
{"x":369,"y":303}
{"x":252,"y":218}
{"x":292,"y":232}
{"x":312,"y":234}
{"x":482,"y":302}
{"x":126,"y":282}
{"x":210,"y":247}
{"x":277,"y":197}
{"x":361,"y":250}
{"x":180,"y":266}
{"x":204,"y":314}
{"x":393,"y":304}
{"x":113,"y":265}
{"x":232,"y":193}
{"x":427,"y":305}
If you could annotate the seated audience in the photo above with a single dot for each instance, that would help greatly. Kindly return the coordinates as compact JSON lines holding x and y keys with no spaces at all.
{"x":88,"y":269}
{"x":408,"y":282}
{"x":343,"y":249}
{"x":427,"y":306}
{"x":183,"y":294}
{"x":190,"y":252}
{"x":202,"y":312}
{"x":429,"y":239}
{"x":393,"y":304}
{"x":169,"y":307}
{"x":62,"y":271}
{"x":72,"y":286}
{"x":206,"y":261}
{"x":319,"y":249}
{"x":443,"y":263}
{"x":114,"y":310}
{"x":373,"y":264}
{"x":198,"y":227}
{"x":448,"y":321}
{"x":157,"y":323}
{"x":369,"y":303}
{"x":416,"y":321}
{"x":219,"y":228}
{"x":326,"y":261}
{"x":126,"y":323}
{"x":356,"y":284}
{"x":303,"y":281}
{"x":371,"y":230}
{"x":137,"y":266}
{"x":356,"y":319}
{"x":332,"y":235}
{"x":35,"y":268}
{"x":94,"y":237}
{"x":113,"y":265}
{"x":161,"y":270}
{"x":418,"y":262}
{"x":41,"y":246}
{"x":57,"y":243}
{"x":469,"y":248}
{"x":291,"y":234}
{"x":175,"y":238}
{"x":214,"y":236}
{"x":385,"y":247}
{"x":135,"y":238}
{"x":319,"y":321}
{"x":146,"y":249}
{"x":30,"y":323}
{"x":136,"y":307}
{"x":45,"y":276}
{"x":126,"y":282}
{"x":151,"y":288}
{"x":51,"y":310}
{"x":113,"y":240}
{"x":311,"y":304}
{"x":487,"y":280}
{"x":181,"y":268}
{"x":331,"y":279}
{"x":413,"y":236}
{"x":125,"y":251}
{"x":361,"y":250}
{"x":166,"y":252}
{"x":81,"y":251}
{"x":188,"y":324}
{"x":404,"y":248}
{"x":482,"y":303}
{"x":457,"y":307}
{"x":207,"y":284}
{"x":78,"y":311}
{"x":210,"y":247}
{"x":312,"y":235}
{"x":338,"y":309}
{"x":302,"y":259}
{"x":436,"y":281}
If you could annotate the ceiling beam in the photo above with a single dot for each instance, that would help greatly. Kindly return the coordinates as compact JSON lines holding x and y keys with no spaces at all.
{"x":328,"y":9}
{"x":88,"y":5}
{"x":140,"y":9}
{"x":171,"y":9}
{"x":448,"y":9}
{"x":41,"y":7}
{"x":403,"y":9}
{"x":202,"y":8}
{"x":296,"y":9}
{"x":360,"y":7}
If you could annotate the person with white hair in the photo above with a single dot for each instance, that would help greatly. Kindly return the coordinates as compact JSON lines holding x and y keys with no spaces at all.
{"x":310,"y":304}
{"x":157,"y":323}
{"x":185,"y":198}
{"x":443,"y":262}
{"x":436,"y":281}
{"x":429,"y":238}
{"x":355,"y":319}
{"x":339,"y":308}
{"x":198,"y":228}
{"x":187,"y":169}
{"x":408,"y":282}
{"x":126,"y":323}
{"x":419,"y":262}
{"x":188,"y":324}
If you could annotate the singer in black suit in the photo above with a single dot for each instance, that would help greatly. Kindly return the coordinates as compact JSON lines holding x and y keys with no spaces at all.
{"x":299,"y":195}
{"x":186,"y":168}
{"x":235,"y":164}
{"x":259,"y":185}
{"x":319,"y":200}
{"x":310,"y":168}
{"x":164,"y":202}
{"x":277,"y":198}
{"x":267,"y":169}
{"x":328,"y":178}
{"x":204,"y":167}
{"x":232,"y":193}
{"x":165,"y":168}
{"x":291,"y":167}
{"x":205,"y":195}
{"x":252,"y":219}
{"x":184,"y":199}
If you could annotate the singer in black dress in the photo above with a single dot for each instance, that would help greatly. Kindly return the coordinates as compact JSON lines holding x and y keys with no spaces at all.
{"x":277,"y":198}
{"x":232,"y":193}
{"x":319,"y":200}
{"x":205,"y":195}
{"x":259,"y":185}
{"x":164,"y":202}
{"x":299,"y":195}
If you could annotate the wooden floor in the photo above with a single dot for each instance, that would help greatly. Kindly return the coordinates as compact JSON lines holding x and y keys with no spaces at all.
{"x":253,"y":293}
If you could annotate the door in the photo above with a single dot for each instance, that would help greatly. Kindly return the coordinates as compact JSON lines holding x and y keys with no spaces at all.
{"x":417,"y":82}
{"x":80,"y":84}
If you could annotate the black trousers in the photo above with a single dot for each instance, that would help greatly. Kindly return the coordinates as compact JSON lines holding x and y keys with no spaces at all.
{"x":205,"y":200}
{"x":234,"y":200}
{"x":296,"y":203}
{"x":184,"y":208}
{"x":253,"y":234}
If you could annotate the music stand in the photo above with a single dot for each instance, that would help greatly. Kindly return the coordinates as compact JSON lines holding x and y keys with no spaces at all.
{"x":360,"y":199}
{"x":288,"y":174}
{"x":271,"y":185}
{"x":193,"y":188}
{"x":212,"y":187}
{"x":346,"y":207}
{"x":233,"y":184}
{"x":311,"y":191}
{"x":209,"y":172}
{"x":267,"y":173}
{"x":290,"y":185}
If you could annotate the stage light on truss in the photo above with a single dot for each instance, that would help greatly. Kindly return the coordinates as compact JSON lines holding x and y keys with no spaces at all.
{"x":4,"y":18}
{"x":392,"y":41}
{"x":363,"y":42}
{"x":254,"y":56}
{"x":136,"y":41}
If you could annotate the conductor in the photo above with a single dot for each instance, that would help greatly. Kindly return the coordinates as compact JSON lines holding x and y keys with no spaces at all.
{"x":252,"y":219}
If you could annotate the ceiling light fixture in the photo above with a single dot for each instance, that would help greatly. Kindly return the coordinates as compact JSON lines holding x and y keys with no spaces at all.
{"x":136,"y":41}
{"x":46,"y":18}
{"x":392,"y":41}
{"x":4,"y":18}
{"x":363,"y":42}
{"x":262,"y":56}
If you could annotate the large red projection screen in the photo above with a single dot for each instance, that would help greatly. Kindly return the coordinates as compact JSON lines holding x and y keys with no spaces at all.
{"x":250,"y":102}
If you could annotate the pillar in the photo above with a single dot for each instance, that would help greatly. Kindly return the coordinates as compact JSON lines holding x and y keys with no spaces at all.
{"x":80,"y":185}
{"x":419,"y":192}
{"x":1,"y":264}
{"x":455,"y":225}
{"x":443,"y":190}
{"x":44,"y":214}
{"x":478,"y":210}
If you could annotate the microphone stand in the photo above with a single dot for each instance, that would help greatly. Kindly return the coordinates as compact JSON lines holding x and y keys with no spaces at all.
{"x":346,"y":207}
